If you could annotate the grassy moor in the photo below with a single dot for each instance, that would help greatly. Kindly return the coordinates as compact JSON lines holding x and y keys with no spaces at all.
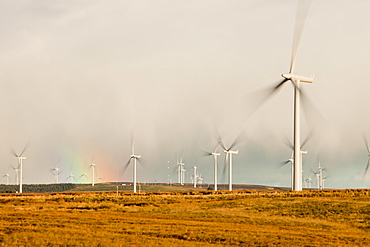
{"x":187,"y":218}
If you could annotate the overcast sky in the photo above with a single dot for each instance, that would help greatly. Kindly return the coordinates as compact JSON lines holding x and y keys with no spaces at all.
{"x":78,"y":76}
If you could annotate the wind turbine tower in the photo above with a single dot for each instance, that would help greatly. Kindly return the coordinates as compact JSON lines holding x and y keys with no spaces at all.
{"x":195,"y":176}
{"x":20,"y":158}
{"x":182,"y":173}
{"x":229,"y":157}
{"x":93,"y":173}
{"x":133,"y":157}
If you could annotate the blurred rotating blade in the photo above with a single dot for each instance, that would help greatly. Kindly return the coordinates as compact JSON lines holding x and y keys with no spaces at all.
{"x":252,"y":102}
{"x":302,"y":11}
{"x":365,"y":141}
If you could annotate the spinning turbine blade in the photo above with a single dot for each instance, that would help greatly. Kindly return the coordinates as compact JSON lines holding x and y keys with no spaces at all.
{"x":365,"y":171}
{"x":240,"y":138}
{"x":283,"y":163}
{"x":308,"y":138}
{"x":123,"y":170}
{"x":366,"y":143}
{"x":255,"y":100}
{"x":288,"y":143}
{"x":221,"y":143}
{"x":302,"y":11}
{"x":24,"y":149}
{"x":13,"y":152}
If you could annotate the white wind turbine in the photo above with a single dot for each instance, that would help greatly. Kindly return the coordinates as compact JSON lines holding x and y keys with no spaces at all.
{"x":308,"y":182}
{"x":7,"y":176}
{"x":180,"y":170}
{"x":93,"y":171}
{"x":292,"y":170}
{"x":228,"y":159}
{"x":56,"y":172}
{"x":296,"y":79}
{"x":17,"y":170}
{"x":195,"y":176}
{"x":71,"y":177}
{"x":20,"y":165}
{"x":215,"y":155}
{"x":84,"y":175}
{"x":319,"y":177}
{"x":133,"y":157}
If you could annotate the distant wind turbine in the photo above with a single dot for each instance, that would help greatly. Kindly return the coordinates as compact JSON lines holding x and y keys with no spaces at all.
{"x":195,"y":176}
{"x":7,"y":176}
{"x":71,"y":177}
{"x":133,"y":157}
{"x":215,"y":155}
{"x":93,"y":171}
{"x":56,"y":172}
{"x":228,"y":159}
{"x":20,"y":165}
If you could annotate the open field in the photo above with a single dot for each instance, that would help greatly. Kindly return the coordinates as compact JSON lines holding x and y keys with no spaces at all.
{"x":194,"y":218}
{"x":125,"y":187}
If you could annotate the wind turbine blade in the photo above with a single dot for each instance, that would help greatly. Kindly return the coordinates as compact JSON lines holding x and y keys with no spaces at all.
{"x":224,"y":169}
{"x":132,"y":143}
{"x":240,"y":138}
{"x":24,"y":149}
{"x":365,"y":171}
{"x":255,"y":100}
{"x":302,"y":11}
{"x":366,"y":143}
{"x":310,"y":111}
{"x":308,"y":138}
{"x":216,"y":147}
{"x":13,"y":152}
{"x":123,"y":170}
{"x":221,"y":143}
{"x":205,"y":153}
{"x":288,"y":143}
{"x":142,"y":162}
{"x":283,"y":163}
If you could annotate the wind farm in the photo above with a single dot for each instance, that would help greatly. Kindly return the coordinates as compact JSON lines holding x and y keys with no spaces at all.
{"x":177,"y":100}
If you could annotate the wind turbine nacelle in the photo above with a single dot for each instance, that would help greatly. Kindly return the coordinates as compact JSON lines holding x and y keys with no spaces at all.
{"x":135,"y":156}
{"x":304,"y":152}
{"x":217,"y":154}
{"x":231,"y":152}
{"x":300,"y":78}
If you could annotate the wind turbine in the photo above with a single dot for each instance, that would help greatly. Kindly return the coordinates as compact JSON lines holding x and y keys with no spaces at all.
{"x":20,"y":165}
{"x":296,"y":79}
{"x":71,"y":177}
{"x":290,"y":160}
{"x":195,"y":176}
{"x":56,"y":171}
{"x":228,"y":159}
{"x":93,"y":171}
{"x":319,"y":177}
{"x":7,"y":176}
{"x":17,"y":170}
{"x":133,"y":157}
{"x":180,"y":165}
{"x":368,"y":161}
{"x":215,"y":155}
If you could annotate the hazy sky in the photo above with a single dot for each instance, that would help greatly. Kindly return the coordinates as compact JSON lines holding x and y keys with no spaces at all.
{"x":78,"y":76}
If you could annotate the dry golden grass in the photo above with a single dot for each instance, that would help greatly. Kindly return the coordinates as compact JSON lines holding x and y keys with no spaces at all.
{"x":243,"y":218}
